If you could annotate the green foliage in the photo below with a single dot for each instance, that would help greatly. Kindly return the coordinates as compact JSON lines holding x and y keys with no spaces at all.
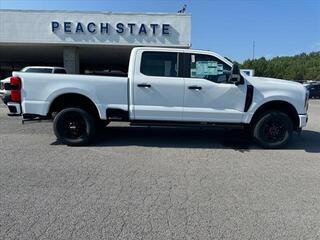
{"x":299,"y":67}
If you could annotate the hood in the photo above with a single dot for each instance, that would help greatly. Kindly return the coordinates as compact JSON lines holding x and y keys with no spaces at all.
{"x":275,"y":81}
{"x":273,"y":84}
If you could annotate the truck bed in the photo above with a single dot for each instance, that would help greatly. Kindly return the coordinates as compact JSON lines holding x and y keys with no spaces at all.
{"x":39,"y":90}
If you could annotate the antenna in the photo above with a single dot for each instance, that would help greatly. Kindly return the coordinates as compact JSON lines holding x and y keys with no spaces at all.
{"x":253,"y":48}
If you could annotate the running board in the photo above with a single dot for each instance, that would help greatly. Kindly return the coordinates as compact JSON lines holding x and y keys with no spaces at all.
{"x":34,"y":118}
{"x":186,"y":124}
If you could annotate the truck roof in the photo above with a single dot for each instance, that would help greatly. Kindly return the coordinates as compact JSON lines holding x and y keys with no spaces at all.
{"x":183,"y":50}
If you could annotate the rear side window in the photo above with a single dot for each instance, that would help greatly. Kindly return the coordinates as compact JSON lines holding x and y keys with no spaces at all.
{"x":60,"y":71}
{"x":39,"y":70}
{"x":161,"y":64}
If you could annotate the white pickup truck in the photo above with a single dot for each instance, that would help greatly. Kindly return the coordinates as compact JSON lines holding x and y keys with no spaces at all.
{"x":164,"y":87}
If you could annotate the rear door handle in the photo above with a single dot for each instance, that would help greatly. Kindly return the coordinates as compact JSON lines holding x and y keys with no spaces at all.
{"x":144,"y":85}
{"x":194,"y":87}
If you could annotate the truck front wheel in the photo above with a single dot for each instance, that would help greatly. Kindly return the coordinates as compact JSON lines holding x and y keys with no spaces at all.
{"x":74,"y":126}
{"x":273,"y":129}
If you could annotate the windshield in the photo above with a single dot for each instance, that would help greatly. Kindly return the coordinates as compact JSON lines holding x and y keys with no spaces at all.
{"x":37,"y":70}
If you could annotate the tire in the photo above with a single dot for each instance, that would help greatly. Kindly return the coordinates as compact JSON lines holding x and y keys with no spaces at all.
{"x":74,"y":127}
{"x":273,"y":129}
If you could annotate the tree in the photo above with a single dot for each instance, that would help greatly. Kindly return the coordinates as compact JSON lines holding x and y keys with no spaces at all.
{"x":299,"y":67}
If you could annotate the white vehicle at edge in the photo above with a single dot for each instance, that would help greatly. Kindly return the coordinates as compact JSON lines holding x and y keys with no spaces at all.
{"x":165,"y":86}
{"x":5,"y":93}
{"x":44,"y":69}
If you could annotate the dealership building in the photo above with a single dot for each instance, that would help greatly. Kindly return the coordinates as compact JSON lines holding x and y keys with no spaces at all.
{"x":84,"y":41}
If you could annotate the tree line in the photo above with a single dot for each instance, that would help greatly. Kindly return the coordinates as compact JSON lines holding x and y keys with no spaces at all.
{"x":299,"y":67}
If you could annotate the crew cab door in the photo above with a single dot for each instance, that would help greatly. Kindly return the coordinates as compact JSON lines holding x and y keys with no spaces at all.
{"x":208,"y":96}
{"x":157,"y":87}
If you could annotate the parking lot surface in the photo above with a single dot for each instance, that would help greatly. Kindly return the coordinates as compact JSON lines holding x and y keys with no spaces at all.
{"x":157,"y":183}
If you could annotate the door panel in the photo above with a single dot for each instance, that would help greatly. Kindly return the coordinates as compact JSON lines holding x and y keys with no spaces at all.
{"x":214,"y":102}
{"x":208,"y":96}
{"x":163,"y":100}
{"x":157,"y":97}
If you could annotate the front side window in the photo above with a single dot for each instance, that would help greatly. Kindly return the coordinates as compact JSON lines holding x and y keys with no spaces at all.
{"x":161,"y":64}
{"x":209,"y":67}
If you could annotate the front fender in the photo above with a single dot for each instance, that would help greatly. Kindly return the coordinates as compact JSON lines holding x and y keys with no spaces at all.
{"x":259,"y":101}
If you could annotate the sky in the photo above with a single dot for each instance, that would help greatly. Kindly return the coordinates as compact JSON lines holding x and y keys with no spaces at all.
{"x":228,"y":27}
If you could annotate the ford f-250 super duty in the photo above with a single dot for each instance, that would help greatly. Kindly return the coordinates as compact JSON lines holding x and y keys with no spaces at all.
{"x":164,"y":86}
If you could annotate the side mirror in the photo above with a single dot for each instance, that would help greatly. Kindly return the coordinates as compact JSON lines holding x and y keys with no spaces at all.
{"x":235,"y":76}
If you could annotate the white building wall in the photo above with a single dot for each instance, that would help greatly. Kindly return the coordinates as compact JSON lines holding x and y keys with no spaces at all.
{"x":37,"y":27}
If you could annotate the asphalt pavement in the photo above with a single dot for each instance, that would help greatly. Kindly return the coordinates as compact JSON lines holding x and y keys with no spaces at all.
{"x":157,"y":183}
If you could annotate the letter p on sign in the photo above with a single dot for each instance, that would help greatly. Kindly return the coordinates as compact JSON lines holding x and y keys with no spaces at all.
{"x":54,"y":26}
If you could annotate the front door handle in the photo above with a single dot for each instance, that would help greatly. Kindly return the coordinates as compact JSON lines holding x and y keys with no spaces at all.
{"x":194,"y":87}
{"x":144,"y":85}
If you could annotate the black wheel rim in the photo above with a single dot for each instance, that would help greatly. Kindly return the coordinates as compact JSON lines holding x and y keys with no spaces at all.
{"x":274,"y":131}
{"x":74,"y":126}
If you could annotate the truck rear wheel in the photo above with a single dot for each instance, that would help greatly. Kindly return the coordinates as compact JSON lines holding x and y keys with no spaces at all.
{"x":74,"y":126}
{"x":273,"y":129}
